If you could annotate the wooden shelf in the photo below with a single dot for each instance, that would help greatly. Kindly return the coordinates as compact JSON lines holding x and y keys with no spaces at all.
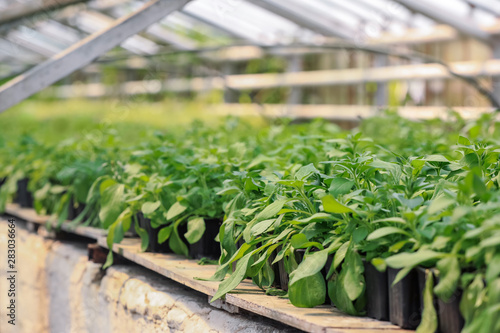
{"x":322,"y":319}
{"x":30,"y":215}
{"x":247,"y":296}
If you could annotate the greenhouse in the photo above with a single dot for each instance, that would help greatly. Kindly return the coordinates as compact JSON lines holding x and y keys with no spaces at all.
{"x":324,"y":166}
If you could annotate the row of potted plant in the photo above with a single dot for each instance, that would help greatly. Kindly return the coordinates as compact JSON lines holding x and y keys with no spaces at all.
{"x":398,"y":231}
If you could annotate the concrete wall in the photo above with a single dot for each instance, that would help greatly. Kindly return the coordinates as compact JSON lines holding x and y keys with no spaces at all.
{"x":59,"y":291}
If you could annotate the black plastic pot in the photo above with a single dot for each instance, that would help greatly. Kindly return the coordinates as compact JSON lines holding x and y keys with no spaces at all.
{"x":153,"y":245}
{"x":283,"y":275}
{"x":276,"y":282}
{"x":24,"y":197}
{"x":239,"y":244}
{"x":377,"y":293}
{"x":404,"y":299}
{"x":450,"y":318}
{"x":74,"y":212}
{"x":207,"y":246}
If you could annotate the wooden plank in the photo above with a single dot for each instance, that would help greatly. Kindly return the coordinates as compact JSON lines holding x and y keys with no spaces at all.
{"x":84,"y":52}
{"x":438,"y":33}
{"x":30,"y":215}
{"x":249,"y":297}
{"x":26,"y":214}
{"x":342,"y":112}
{"x":298,"y":79}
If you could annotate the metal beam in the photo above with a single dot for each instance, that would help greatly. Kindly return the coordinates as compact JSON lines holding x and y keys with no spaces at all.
{"x":295,"y":65}
{"x":84,"y":52}
{"x":19,"y":10}
{"x":463,"y":24}
{"x":320,"y":24}
{"x":382,"y":93}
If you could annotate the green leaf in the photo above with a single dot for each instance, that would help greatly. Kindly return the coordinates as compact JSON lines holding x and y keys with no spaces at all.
{"x":175,"y":210}
{"x":354,"y":281}
{"x":271,"y":210}
{"x":111,"y":203}
{"x":382,"y":232}
{"x":471,"y":160}
{"x":490,"y":241}
{"x":115,"y":235}
{"x":228,"y":191}
{"x":471,"y":298}
{"x":309,"y":266}
{"x":338,"y":294}
{"x":402,"y":260}
{"x":305,"y":172}
{"x":164,"y":234}
{"x":439,"y":204}
{"x":436,"y":158}
{"x":195,"y":230}
{"x":331,"y":205}
{"x":149,"y":207}
{"x":410,"y":203}
{"x":314,"y":217}
{"x":429,"y":321}
{"x":340,"y":186}
{"x":391,"y":219}
{"x":379,"y":264}
{"x":143,"y":234}
{"x":493,"y":269}
{"x":220,"y":273}
{"x":297,"y":240}
{"x":359,"y":234}
{"x":261,"y":227}
{"x":176,"y":244}
{"x":308,"y":292}
{"x":463,"y":141}
{"x":235,"y":279}
{"x":340,"y":254}
{"x":449,"y":275}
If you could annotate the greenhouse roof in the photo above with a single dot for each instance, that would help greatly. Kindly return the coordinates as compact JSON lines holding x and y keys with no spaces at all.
{"x":35,"y":30}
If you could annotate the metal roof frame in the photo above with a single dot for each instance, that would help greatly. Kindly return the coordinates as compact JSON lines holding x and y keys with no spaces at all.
{"x":247,"y":26}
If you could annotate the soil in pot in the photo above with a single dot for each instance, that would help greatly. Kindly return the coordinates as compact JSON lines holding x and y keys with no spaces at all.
{"x":404,"y":299}
{"x":207,"y":246}
{"x":377,"y":293}
{"x":24,"y":197}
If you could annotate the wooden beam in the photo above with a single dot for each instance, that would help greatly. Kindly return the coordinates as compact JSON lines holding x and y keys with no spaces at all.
{"x":463,"y":24}
{"x":438,"y":33}
{"x":352,"y":113}
{"x":298,"y":79}
{"x":84,"y":52}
